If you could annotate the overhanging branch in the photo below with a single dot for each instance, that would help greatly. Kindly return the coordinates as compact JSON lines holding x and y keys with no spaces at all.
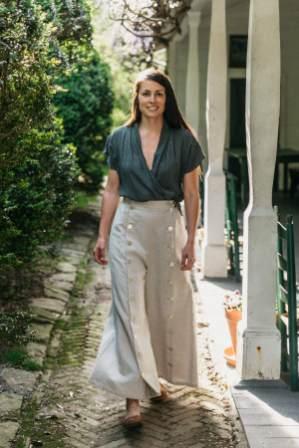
{"x":149,"y":18}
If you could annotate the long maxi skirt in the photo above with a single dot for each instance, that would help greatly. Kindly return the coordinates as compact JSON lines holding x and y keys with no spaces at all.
{"x":150,"y":330}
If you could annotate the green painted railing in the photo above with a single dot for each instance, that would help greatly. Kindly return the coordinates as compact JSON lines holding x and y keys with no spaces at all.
{"x":231,"y":226}
{"x":286,"y":301}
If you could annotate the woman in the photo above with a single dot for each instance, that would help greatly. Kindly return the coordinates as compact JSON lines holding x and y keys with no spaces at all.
{"x":154,"y":163}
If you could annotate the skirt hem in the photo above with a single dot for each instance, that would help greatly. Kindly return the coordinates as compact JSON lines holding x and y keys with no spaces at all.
{"x":143,"y":397}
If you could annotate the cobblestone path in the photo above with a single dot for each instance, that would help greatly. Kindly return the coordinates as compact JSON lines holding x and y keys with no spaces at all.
{"x":67,"y":411}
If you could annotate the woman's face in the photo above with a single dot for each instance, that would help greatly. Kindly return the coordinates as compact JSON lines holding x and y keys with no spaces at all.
{"x":151,"y":99}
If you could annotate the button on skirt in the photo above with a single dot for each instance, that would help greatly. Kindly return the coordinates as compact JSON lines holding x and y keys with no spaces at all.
{"x":150,"y":330}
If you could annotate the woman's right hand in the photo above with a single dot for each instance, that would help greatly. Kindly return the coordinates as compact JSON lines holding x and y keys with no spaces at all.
{"x":99,"y":251}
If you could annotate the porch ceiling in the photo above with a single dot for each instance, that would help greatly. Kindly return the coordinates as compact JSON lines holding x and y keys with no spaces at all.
{"x":287,"y":7}
{"x":205,"y":5}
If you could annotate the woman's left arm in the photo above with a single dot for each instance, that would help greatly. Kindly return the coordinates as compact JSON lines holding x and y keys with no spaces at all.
{"x":191,"y":199}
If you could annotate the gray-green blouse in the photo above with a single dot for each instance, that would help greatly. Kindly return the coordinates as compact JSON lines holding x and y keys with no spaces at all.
{"x":178,"y":152}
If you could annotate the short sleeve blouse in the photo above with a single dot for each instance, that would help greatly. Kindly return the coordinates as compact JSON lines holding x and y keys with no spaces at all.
{"x":178,"y":153}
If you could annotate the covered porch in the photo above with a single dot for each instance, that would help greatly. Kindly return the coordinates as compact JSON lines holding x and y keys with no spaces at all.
{"x":236,"y":79}
{"x":212,"y":292}
{"x":268,"y":410}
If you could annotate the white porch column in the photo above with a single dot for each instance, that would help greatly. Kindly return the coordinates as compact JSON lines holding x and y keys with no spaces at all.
{"x":172,"y":61}
{"x":214,"y":251}
{"x":192,"y":78}
{"x":259,"y":341}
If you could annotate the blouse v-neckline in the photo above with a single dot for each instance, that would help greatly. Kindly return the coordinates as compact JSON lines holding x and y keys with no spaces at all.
{"x":157,"y":150}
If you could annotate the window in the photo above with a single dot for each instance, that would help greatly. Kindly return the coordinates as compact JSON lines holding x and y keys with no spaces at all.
{"x":237,"y":51}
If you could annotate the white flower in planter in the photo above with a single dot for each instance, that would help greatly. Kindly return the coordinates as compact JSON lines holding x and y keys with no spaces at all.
{"x":233,"y":301}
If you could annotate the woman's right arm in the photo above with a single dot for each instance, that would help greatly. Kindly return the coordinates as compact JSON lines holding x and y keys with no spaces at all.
{"x":110,"y":201}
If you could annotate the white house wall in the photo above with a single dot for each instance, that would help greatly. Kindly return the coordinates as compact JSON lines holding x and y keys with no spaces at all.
{"x":181,"y":71}
{"x":203,"y":62}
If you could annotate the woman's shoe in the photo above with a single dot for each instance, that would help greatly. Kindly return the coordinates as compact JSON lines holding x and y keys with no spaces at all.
{"x":164,"y":395}
{"x":132,"y":421}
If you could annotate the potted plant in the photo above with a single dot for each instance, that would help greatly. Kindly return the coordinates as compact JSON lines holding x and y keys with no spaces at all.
{"x":233,"y":314}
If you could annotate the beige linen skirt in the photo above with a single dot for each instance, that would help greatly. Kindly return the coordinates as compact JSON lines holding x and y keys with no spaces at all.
{"x":150,"y":331}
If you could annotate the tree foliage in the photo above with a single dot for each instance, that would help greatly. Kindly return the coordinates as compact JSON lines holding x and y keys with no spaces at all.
{"x":55,"y":106}
{"x":85,"y":102}
{"x":84,"y":97}
{"x":38,"y":195}
{"x":70,"y":20}
{"x":106,"y":41}
{"x":25,"y":97}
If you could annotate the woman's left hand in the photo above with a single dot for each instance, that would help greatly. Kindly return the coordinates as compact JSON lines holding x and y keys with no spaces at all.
{"x":188,"y":257}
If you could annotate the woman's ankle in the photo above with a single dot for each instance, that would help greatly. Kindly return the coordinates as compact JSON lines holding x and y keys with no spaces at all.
{"x":132,"y":401}
{"x":133,"y":405}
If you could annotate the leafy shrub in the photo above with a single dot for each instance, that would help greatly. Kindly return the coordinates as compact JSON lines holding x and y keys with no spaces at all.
{"x":70,"y":20}
{"x":14,"y":334}
{"x":25,"y":96}
{"x":18,"y":357}
{"x":37,"y":170}
{"x":85,"y":101}
{"x":46,"y":56}
{"x":14,"y":325}
{"x":84,"y":96}
{"x":38,"y":195}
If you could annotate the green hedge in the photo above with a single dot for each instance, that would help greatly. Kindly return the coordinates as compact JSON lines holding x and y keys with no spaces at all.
{"x":38,"y":195}
{"x":84,"y":102}
{"x":55,"y":106}
{"x":37,"y":170}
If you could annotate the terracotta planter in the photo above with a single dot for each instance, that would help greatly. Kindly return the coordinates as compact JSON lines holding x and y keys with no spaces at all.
{"x":232,"y":317}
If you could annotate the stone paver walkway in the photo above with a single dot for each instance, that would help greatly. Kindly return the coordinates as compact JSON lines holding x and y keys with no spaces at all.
{"x":65,"y":411}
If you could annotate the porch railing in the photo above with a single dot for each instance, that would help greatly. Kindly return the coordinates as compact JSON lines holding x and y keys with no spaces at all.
{"x":232,"y":227}
{"x":286,"y":301}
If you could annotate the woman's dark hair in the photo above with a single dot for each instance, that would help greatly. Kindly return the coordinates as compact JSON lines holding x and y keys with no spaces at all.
{"x":172,"y":112}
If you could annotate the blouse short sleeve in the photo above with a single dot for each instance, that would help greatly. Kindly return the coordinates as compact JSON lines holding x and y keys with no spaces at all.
{"x":110,"y":151}
{"x":192,"y":154}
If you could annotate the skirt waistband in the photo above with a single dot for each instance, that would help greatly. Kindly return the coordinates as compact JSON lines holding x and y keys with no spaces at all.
{"x":152,"y":204}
